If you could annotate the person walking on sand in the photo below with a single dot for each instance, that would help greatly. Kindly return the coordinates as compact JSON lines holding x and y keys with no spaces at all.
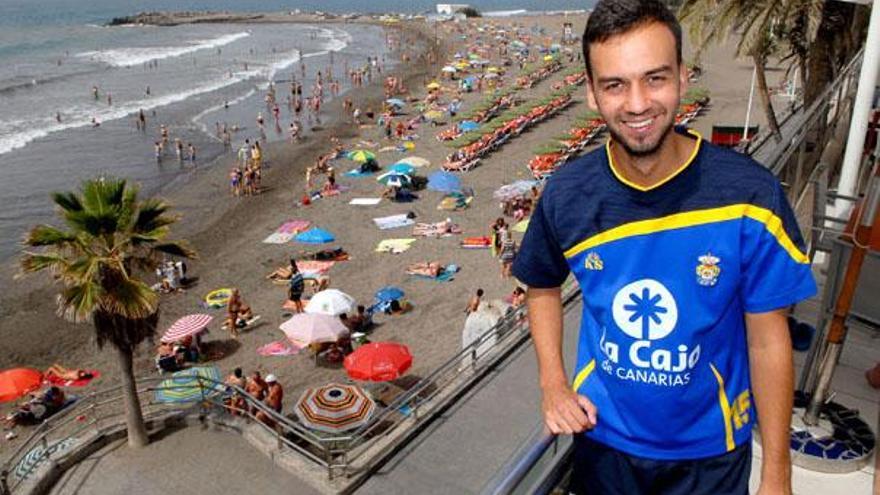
{"x":688,"y":257}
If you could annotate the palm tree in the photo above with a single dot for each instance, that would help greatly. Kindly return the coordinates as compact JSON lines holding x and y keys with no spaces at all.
{"x":763,"y":24}
{"x":109,"y":240}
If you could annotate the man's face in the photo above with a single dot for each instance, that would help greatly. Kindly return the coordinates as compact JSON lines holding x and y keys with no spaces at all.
{"x":637,"y":84}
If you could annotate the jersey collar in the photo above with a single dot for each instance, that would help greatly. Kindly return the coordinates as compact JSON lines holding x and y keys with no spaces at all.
{"x":622,"y":179}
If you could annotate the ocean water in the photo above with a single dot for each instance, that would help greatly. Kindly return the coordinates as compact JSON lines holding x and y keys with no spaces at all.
{"x":188,"y":78}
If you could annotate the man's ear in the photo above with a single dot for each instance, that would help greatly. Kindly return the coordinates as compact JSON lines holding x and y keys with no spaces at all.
{"x":591,"y":98}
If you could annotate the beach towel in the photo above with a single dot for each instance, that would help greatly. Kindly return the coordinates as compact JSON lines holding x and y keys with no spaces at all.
{"x":446,"y":275}
{"x":482,"y":242}
{"x":393,"y":221}
{"x":54,"y":380}
{"x":356,"y":173}
{"x":365,"y":201}
{"x":279,"y":348}
{"x":394,"y":246}
{"x":438,"y":229}
{"x":286,"y":231}
{"x":312,"y":267}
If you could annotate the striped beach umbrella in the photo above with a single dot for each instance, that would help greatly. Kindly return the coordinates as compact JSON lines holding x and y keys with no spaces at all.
{"x":334,"y":408}
{"x":186,"y":326}
{"x":361,"y":156}
{"x":190,"y":385}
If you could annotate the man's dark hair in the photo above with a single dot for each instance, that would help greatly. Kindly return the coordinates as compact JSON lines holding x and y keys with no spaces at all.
{"x":612,"y":17}
{"x":237,"y":372}
{"x":479,"y":292}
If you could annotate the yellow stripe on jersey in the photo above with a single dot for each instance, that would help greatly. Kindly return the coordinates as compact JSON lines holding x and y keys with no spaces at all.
{"x":694,"y":218}
{"x":583,"y":374}
{"x":725,"y":409}
{"x":637,"y":187}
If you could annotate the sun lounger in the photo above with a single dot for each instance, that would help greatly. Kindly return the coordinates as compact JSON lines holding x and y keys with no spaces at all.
{"x":393,"y":221}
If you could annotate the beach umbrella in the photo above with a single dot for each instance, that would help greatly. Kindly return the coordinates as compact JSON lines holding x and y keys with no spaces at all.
{"x":190,"y":385}
{"x":330,"y":302}
{"x":378,"y":362}
{"x":314,"y":236}
{"x":468,"y":125}
{"x":449,"y":69}
{"x":18,"y":382}
{"x":433,"y":86}
{"x":471,"y":79}
{"x":186,"y":326}
{"x":310,"y":328}
{"x":395,"y":102}
{"x":444,"y":182}
{"x":555,"y":47}
{"x":510,"y":191}
{"x":334,"y":408}
{"x":389,"y":293}
{"x":415,"y":161}
{"x":484,"y":318}
{"x":394,"y":179}
{"x":491,"y":75}
{"x":402,"y":168}
{"x":548,"y":58}
{"x":493,"y":70}
{"x":473,"y":56}
{"x":361,"y":155}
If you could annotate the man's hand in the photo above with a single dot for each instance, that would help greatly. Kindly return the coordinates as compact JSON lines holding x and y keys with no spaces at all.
{"x":566,"y":412}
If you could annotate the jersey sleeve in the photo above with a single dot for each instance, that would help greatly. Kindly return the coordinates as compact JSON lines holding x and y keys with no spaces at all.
{"x":775,"y":269}
{"x":540,"y":262}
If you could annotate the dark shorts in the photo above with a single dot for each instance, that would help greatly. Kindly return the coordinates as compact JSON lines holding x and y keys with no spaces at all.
{"x":601,"y":470}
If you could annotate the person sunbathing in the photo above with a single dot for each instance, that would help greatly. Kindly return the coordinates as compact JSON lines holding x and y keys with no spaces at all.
{"x":429,"y":269}
{"x":63,"y":373}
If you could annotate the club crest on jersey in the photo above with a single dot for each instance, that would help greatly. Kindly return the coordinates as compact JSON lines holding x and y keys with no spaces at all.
{"x":593,"y":261}
{"x":708,"y":270}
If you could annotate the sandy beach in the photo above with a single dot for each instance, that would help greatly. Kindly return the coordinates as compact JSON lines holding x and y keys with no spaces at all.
{"x":227,"y":231}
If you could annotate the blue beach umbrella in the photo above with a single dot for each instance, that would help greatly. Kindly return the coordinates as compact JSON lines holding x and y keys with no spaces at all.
{"x":471,"y":79}
{"x":186,"y":386}
{"x":444,"y":182}
{"x":394,"y":179}
{"x":395,"y":102}
{"x":402,"y":168}
{"x":389,"y":293}
{"x":468,"y":125}
{"x":314,"y":236}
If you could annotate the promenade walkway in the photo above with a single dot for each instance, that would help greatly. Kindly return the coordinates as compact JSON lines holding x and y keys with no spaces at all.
{"x":190,"y":461}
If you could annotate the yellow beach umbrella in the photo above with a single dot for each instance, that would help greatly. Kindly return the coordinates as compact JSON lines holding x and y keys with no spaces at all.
{"x":493,"y":69}
{"x":434,"y":85}
{"x":548,"y":58}
{"x":409,"y":145}
{"x":361,"y":155}
{"x":433,"y":114}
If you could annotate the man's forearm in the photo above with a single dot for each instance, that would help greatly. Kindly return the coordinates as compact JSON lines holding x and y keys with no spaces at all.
{"x":772,"y":374}
{"x":545,"y":324}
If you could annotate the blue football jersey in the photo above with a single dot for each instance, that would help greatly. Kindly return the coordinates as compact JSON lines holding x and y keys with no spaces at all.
{"x":667,"y":274}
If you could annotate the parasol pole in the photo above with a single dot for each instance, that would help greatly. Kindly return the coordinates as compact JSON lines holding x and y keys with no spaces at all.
{"x":837,"y":332}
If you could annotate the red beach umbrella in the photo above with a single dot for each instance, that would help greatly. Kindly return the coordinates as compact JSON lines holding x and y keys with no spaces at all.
{"x":16,"y":382}
{"x":378,"y":362}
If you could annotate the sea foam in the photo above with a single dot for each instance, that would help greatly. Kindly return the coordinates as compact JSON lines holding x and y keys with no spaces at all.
{"x":128,"y":57}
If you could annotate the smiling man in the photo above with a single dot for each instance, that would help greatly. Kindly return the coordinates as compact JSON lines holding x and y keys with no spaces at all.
{"x":688,"y":256}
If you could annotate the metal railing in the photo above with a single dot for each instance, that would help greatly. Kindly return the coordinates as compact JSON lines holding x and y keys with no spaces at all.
{"x":100,"y":412}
